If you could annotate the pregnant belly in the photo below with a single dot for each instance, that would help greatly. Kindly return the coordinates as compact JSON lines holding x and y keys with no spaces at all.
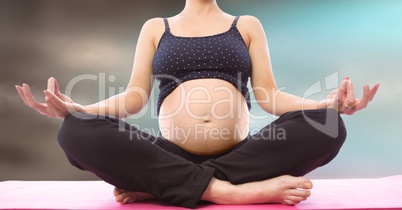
{"x":204,"y":116}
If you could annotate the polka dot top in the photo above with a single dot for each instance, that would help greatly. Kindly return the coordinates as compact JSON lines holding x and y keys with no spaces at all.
{"x":222,"y":56}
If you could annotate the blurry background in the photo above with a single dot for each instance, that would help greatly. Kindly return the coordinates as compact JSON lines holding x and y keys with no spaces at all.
{"x":309,"y":40}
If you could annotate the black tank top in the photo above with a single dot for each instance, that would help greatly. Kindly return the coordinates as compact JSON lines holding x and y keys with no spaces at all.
{"x":222,"y":56}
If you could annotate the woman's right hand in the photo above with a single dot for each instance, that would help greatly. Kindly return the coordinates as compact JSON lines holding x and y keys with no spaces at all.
{"x":56,"y":105}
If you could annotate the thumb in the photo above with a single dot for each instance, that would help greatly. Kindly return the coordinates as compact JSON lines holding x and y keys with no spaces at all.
{"x":50,"y":85}
{"x":56,"y":86}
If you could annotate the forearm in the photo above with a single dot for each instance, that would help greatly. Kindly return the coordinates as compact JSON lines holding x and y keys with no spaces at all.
{"x":287,"y":102}
{"x":281,"y":102}
{"x":121,"y":105}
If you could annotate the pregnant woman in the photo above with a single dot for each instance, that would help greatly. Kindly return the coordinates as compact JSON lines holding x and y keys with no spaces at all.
{"x":203,"y":59}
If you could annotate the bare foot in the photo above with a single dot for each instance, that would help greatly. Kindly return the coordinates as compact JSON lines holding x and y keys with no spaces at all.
{"x":124,"y":196}
{"x":284,"y":189}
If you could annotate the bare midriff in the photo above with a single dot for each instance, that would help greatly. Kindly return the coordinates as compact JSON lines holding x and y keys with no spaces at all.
{"x":204,"y":116}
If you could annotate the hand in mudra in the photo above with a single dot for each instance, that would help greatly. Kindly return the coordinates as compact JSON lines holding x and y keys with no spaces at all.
{"x":343,"y":99}
{"x":56,"y":105}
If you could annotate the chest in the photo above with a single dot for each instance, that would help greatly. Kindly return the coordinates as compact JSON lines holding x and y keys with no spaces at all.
{"x":225,"y":52}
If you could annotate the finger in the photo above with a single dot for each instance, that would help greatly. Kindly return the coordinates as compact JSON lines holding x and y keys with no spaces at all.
{"x":56,"y":106}
{"x":373,"y":91}
{"x":350,"y":97}
{"x":341,"y":94}
{"x":345,"y":83}
{"x":28,"y":95}
{"x":57,"y":91}
{"x":40,"y":107}
{"x":343,"y":89}
{"x":55,"y":100}
{"x":64,"y":98}
{"x":64,"y":107}
{"x":365,"y":99}
{"x":55,"y":111}
{"x":56,"y":87}
{"x":50,"y":85}
{"x":50,"y":99}
{"x":21,"y":93}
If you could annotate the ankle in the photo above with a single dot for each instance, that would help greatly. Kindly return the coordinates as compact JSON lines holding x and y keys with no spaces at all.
{"x":220,"y":192}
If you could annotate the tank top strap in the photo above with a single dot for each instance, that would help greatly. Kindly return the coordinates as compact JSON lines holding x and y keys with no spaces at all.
{"x":167,"y":28}
{"x":235,"y":21}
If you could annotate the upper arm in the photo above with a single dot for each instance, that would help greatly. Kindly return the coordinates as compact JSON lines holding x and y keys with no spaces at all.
{"x":140,"y":84}
{"x":262,"y":78}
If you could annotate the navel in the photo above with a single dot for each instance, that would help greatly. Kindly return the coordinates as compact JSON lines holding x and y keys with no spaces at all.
{"x":207,"y":120}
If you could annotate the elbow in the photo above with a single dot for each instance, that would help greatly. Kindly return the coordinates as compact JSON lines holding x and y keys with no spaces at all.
{"x":131,"y":109}
{"x":267,"y":99}
{"x":267,"y":107}
{"x":134,"y":101}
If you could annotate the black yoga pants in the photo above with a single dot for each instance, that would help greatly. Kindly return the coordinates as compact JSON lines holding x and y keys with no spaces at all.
{"x":133,"y":160}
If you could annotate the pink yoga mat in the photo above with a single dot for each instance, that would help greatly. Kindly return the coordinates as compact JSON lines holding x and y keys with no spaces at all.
{"x":380,"y":193}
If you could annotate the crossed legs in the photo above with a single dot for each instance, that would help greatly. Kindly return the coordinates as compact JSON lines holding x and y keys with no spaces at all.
{"x":257,"y":171}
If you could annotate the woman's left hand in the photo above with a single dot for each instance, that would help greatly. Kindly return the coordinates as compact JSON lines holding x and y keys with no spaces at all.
{"x":343,"y":99}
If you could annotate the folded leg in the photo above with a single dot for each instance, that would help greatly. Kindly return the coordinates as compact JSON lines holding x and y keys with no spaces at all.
{"x":295,"y":144}
{"x":131,"y":159}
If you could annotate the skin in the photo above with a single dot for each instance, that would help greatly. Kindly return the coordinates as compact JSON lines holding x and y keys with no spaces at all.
{"x":191,"y":22}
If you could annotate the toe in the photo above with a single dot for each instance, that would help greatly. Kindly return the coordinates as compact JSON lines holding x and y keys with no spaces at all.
{"x":287,"y":202}
{"x":303,"y":183}
{"x":127,"y":199}
{"x":116,"y":191}
{"x":308,"y":184}
{"x":119,"y":198}
{"x":295,"y":196}
{"x":293,"y":200}
{"x":296,"y":202}
{"x":299,"y":193}
{"x":122,"y":197}
{"x":292,"y":182}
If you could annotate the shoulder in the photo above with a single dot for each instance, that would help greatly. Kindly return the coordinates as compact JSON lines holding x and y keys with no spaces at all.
{"x":249,"y":22}
{"x":152,"y":30}
{"x":154,"y":24}
{"x":249,"y":19}
{"x":250,"y":28}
